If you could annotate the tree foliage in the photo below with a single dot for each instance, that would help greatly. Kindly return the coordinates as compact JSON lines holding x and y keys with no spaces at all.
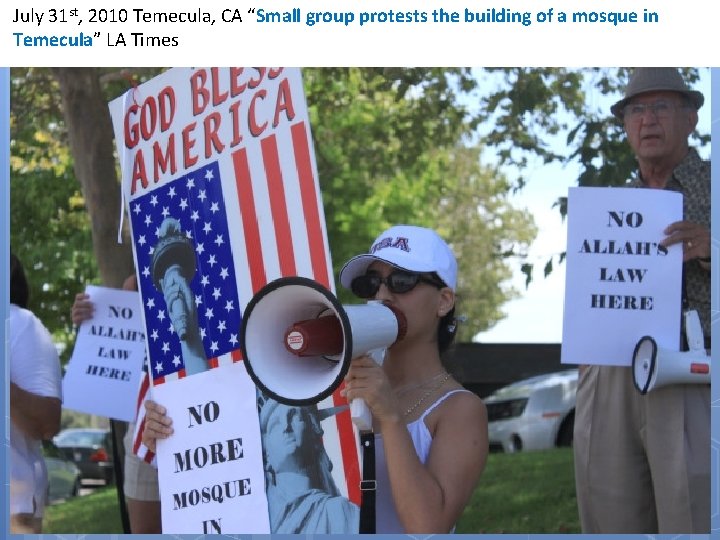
{"x":393,"y":145}
{"x":49,"y":228}
{"x":560,"y":115}
{"x":389,"y":147}
{"x":532,"y":109}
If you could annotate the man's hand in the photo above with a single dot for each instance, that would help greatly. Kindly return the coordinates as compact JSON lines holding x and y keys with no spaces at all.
{"x":695,"y":239}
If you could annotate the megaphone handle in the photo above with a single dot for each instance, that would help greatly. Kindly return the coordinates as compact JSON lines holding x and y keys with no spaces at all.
{"x":360,"y":414}
{"x":359,"y":411}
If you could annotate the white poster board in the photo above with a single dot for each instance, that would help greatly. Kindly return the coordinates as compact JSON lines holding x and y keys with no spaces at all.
{"x":104,"y":372}
{"x":212,"y":483}
{"x":621,"y":284}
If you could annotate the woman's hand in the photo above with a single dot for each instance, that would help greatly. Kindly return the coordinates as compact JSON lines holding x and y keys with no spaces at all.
{"x":366,"y":380}
{"x":157,"y":424}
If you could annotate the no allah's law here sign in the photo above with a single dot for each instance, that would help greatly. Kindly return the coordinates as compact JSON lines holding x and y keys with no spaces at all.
{"x":621,"y":283}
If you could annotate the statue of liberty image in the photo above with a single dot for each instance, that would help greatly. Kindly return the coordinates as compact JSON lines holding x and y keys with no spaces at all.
{"x":173,"y":267}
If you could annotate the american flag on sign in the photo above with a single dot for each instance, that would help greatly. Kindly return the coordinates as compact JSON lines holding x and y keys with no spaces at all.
{"x":278,"y":231}
{"x":195,"y":200}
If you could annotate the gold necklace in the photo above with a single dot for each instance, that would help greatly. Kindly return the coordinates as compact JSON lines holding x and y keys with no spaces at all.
{"x":427,"y":394}
{"x":414,"y":386}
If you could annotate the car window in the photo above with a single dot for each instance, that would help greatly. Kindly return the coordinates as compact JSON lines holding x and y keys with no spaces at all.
{"x":81,"y":438}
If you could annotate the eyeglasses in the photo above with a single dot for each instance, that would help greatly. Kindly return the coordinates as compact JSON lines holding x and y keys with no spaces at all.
{"x":660,"y":109}
{"x":398,"y":282}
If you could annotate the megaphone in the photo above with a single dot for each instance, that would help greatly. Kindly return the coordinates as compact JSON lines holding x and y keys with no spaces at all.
{"x":298,"y":340}
{"x":654,"y":367}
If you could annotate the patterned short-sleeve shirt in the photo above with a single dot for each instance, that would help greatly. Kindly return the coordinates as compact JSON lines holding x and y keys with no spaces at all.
{"x":692,"y":178}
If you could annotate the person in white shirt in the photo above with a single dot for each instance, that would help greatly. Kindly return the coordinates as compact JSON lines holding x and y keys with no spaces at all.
{"x":35,"y":405}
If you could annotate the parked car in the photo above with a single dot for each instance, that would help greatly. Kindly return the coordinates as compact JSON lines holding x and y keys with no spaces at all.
{"x":64,"y":476}
{"x":533,"y":414}
{"x":90,"y":449}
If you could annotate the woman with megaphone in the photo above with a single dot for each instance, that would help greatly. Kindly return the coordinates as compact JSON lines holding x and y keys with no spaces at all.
{"x":428,"y":440}
{"x":430,"y":434}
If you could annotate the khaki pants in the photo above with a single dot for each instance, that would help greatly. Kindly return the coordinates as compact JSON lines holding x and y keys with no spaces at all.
{"x":642,"y":463}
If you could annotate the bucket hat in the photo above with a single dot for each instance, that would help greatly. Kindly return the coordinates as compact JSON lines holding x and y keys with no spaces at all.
{"x":654,"y":79}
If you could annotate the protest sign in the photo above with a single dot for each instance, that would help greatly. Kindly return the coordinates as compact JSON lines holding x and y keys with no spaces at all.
{"x":212,"y":482}
{"x":620,"y":284}
{"x":104,"y":372}
{"x":220,"y":180}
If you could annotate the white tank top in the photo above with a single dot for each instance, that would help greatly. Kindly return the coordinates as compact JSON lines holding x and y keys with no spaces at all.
{"x":386,"y":518}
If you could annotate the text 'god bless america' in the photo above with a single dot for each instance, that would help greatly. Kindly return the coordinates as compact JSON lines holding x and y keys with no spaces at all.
{"x":224,"y":111}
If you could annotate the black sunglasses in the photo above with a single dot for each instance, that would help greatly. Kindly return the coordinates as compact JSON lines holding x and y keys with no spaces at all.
{"x":398,"y":282}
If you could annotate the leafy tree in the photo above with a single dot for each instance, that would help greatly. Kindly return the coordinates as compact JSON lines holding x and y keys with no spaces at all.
{"x":386,"y":140}
{"x":50,"y":226}
{"x":390,"y":148}
{"x":531,"y":110}
{"x":90,"y":137}
{"x":49,"y":229}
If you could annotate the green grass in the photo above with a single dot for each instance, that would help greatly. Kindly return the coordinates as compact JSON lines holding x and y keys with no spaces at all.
{"x":531,"y":492}
{"x":96,"y":513}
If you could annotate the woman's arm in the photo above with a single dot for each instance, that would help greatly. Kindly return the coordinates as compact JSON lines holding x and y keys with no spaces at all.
{"x":430,"y":498}
{"x":37,"y":416}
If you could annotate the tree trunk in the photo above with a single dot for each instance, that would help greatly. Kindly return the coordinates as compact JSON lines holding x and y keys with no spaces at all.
{"x":91,"y":141}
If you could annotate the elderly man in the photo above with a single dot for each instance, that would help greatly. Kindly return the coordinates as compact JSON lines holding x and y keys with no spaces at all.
{"x":642,"y":462}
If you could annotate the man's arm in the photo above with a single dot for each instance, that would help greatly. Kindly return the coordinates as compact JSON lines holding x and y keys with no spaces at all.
{"x":37,"y":416}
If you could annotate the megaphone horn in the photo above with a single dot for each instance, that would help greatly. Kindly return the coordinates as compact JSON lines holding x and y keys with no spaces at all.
{"x":298,"y":340}
{"x":654,"y":367}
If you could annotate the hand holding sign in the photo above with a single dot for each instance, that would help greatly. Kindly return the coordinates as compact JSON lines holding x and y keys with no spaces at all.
{"x":694,"y":237}
{"x":104,"y":372}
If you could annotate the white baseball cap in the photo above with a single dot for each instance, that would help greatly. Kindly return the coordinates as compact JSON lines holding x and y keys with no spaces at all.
{"x":412,"y":248}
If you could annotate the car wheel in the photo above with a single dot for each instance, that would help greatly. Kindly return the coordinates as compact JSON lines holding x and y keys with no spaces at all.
{"x":565,"y":434}
{"x":76,"y":487}
{"x":515,"y":444}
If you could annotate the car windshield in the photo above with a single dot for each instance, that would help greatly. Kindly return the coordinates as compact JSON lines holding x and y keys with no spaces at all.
{"x":81,"y":438}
